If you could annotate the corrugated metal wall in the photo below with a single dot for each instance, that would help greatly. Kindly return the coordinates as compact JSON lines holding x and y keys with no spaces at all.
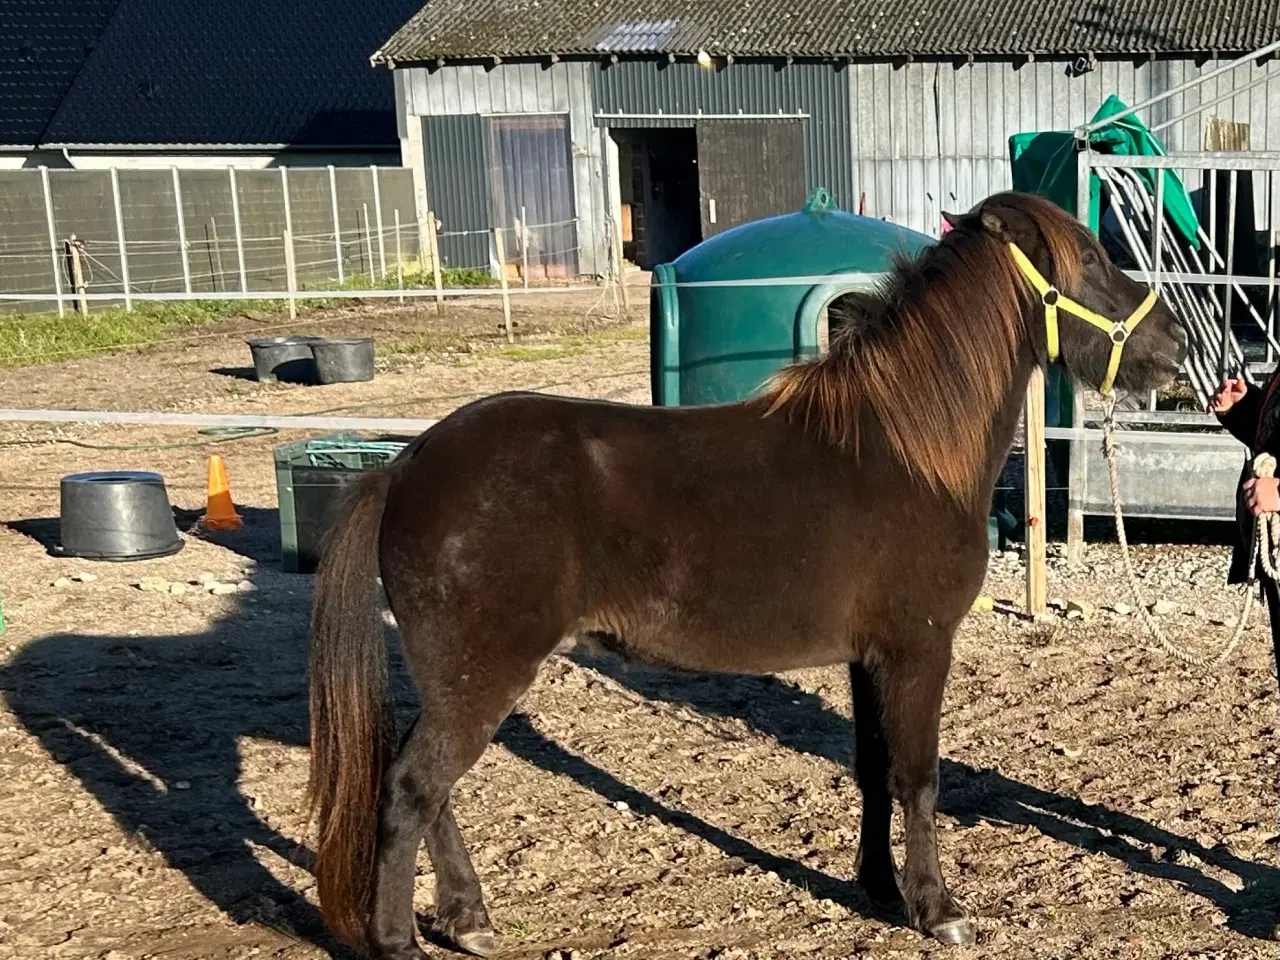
{"x":915,"y":139}
{"x":457,"y":156}
{"x":818,"y":89}
{"x":524,"y":88}
{"x":934,"y":136}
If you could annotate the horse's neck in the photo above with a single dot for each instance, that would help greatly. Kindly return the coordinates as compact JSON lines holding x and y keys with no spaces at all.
{"x":1004,"y":422}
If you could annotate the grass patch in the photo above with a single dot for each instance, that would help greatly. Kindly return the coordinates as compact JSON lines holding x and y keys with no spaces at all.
{"x":33,"y":338}
{"x":538,"y":354}
{"x":42,"y":338}
{"x":424,"y":343}
{"x":627,"y":334}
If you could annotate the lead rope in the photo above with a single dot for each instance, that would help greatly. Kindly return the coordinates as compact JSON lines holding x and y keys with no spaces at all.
{"x":1266,"y":549}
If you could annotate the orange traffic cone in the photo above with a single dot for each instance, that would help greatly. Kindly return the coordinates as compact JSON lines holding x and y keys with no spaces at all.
{"x":220,"y":514}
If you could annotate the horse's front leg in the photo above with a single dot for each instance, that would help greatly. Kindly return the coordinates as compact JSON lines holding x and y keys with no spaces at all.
{"x":911,"y":682}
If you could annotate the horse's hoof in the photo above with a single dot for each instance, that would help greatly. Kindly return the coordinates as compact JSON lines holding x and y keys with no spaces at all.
{"x":960,"y":931}
{"x":482,"y":943}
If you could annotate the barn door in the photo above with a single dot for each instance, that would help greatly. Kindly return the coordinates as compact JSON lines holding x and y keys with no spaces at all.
{"x":748,"y":170}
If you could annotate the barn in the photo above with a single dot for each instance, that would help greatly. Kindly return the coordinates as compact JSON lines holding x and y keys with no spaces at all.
{"x":576,"y":122}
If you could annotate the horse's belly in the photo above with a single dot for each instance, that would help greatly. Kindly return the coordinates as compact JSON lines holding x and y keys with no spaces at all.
{"x":764,"y":643}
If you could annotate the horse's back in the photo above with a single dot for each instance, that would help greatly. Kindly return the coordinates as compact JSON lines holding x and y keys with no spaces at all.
{"x":705,"y":537}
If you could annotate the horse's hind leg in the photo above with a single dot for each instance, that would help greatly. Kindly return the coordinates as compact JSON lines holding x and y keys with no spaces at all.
{"x":467,"y":688}
{"x":911,"y":687}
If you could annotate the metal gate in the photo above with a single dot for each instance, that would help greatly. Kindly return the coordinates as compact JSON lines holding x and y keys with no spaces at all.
{"x":1215,"y":264}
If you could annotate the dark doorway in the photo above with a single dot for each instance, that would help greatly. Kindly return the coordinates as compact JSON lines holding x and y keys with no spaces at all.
{"x":658,"y":177}
{"x":749,"y":170}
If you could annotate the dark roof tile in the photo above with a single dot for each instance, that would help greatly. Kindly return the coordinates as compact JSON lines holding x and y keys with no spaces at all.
{"x":236,"y":72}
{"x":818,"y":28}
{"x":43,"y":44}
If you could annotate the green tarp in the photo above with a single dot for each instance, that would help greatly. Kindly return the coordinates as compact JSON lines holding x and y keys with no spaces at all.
{"x":1045,"y":163}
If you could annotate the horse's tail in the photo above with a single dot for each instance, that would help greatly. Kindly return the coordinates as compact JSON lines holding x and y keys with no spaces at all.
{"x":352,"y":723}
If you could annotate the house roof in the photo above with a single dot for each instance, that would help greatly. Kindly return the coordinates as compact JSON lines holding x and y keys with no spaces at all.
{"x":821,"y":28}
{"x":43,"y":45}
{"x":230,"y":73}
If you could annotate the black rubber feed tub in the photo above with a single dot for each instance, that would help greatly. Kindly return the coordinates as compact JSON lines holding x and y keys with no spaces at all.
{"x":284,"y":358}
{"x":116,"y":515}
{"x":344,"y":361}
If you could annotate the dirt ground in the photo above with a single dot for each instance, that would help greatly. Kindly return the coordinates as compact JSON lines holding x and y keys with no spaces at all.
{"x":1097,"y":800}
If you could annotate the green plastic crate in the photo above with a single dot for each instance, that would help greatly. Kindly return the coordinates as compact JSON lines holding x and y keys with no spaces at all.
{"x":309,"y":475}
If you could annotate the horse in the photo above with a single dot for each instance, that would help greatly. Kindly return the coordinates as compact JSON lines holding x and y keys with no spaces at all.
{"x":836,"y":516}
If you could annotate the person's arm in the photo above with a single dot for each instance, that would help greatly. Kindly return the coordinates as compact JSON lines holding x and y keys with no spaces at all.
{"x":1241,"y":418}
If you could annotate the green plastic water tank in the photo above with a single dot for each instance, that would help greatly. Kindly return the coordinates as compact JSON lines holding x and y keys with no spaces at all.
{"x":717,"y":342}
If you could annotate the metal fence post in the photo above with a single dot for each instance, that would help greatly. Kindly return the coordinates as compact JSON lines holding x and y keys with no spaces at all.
{"x":288,"y":231}
{"x":524,"y":249}
{"x":182,"y":230}
{"x":337,"y":227}
{"x":377,"y":214}
{"x":124,"y":253}
{"x":1077,"y":470}
{"x":399,"y":258}
{"x":368,"y":239}
{"x":1228,"y":291}
{"x":235,"y":213}
{"x":53,"y":240}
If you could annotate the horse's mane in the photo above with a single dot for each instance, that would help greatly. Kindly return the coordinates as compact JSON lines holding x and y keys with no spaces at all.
{"x":930,"y":354}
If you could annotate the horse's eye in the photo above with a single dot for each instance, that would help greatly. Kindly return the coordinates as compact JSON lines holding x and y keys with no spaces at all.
{"x":1089,"y":258}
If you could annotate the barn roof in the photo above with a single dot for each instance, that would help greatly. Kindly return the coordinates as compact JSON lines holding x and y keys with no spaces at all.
{"x":822,"y":28}
{"x":230,"y":73}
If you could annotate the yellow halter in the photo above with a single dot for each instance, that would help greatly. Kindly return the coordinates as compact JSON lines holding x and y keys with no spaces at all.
{"x":1053,"y":300}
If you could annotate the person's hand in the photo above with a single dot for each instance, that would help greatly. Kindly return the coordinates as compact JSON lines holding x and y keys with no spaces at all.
{"x":1262,"y":495}
{"x":1228,"y":394}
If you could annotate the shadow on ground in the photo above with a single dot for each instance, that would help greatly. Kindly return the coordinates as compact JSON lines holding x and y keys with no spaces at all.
{"x":257,"y":540}
{"x":132,"y":717}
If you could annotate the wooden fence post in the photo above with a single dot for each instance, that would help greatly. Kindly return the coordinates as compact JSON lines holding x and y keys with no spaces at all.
{"x":77,"y":275}
{"x":290,"y":273}
{"x":1033,"y":489}
{"x":433,"y":241}
{"x":622,"y":275}
{"x":500,"y":247}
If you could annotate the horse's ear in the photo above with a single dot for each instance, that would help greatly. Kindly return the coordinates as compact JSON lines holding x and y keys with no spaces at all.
{"x":994,"y":224}
{"x":953,"y":219}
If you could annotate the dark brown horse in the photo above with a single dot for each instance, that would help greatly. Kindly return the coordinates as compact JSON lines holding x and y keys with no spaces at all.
{"x":838,"y":517}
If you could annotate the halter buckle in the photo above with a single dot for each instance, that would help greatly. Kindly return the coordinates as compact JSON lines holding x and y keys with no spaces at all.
{"x":1119,"y":334}
{"x":1050,"y":297}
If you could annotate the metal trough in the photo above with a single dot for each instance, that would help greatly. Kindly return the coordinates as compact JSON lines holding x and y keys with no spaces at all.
{"x":1172,"y":466}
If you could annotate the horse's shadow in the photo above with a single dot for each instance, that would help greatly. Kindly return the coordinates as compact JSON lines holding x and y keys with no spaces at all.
{"x":151,"y":728}
{"x":801,"y":721}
